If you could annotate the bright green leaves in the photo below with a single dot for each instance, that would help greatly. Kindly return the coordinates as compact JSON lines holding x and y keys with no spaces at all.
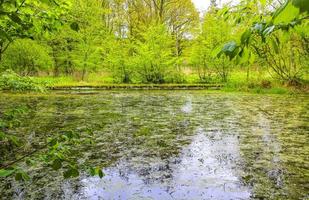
{"x":245,"y":37}
{"x":6,"y":172}
{"x":275,"y":44}
{"x":97,"y":171}
{"x":303,"y":5}
{"x":50,"y":2}
{"x":284,"y":18}
{"x":290,"y":11}
{"x":286,"y":13}
{"x":263,"y":2}
{"x":20,"y":175}
{"x":244,"y":56}
{"x":20,"y":19}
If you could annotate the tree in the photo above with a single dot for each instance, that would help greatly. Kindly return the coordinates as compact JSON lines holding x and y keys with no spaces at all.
{"x":23,"y":18}
{"x":90,"y":35}
{"x":182,"y":22}
{"x":118,"y":59}
{"x":154,"y":56}
{"x":215,"y":32}
{"x":62,"y":43}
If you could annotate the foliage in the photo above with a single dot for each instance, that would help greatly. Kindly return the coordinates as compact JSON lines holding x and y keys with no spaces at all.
{"x":20,"y":18}
{"x":269,"y":37}
{"x":119,"y":60}
{"x":90,"y":35}
{"x":60,"y":151}
{"x":154,"y":58}
{"x":27,"y":57}
{"x":62,"y":46}
{"x":140,"y":41}
{"x":14,"y":82}
{"x":215,"y":32}
{"x":152,"y":41}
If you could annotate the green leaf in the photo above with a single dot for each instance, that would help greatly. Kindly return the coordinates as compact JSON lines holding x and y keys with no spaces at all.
{"x":75,"y":172}
{"x":258,"y":27}
{"x":286,"y":13}
{"x":263,"y":2}
{"x":100,"y":173}
{"x":229,"y":47}
{"x":92,"y":171}
{"x":269,"y":30}
{"x":4,"y":35}
{"x":244,"y":55}
{"x":71,"y":172}
{"x":74,"y":26}
{"x":274,"y":45}
{"x":18,"y":176}
{"x":25,"y":176}
{"x":5,"y":173}
{"x":14,"y":140}
{"x":303,"y":5}
{"x":57,"y":164}
{"x":67,"y":174}
{"x":252,"y":58}
{"x":30,"y":162}
{"x":216,"y":51}
{"x":15,"y":18}
{"x":245,"y":37}
{"x":22,"y":176}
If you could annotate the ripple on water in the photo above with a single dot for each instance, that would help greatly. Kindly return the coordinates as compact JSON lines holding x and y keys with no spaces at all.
{"x":173,"y":145}
{"x":200,"y":172}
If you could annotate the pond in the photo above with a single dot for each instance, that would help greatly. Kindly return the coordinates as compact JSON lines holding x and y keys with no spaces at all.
{"x":171,"y":145}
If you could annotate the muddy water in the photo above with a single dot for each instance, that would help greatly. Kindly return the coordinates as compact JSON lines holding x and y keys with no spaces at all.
{"x":171,"y":145}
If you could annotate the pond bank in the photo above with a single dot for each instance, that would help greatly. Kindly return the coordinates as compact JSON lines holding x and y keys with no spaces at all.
{"x":140,"y":86}
{"x":209,"y":87}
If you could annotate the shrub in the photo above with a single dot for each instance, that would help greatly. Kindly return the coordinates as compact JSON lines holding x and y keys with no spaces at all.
{"x":26,"y":57}
{"x":9,"y":80}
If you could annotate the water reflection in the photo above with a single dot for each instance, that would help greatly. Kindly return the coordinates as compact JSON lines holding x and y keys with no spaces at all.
{"x":204,"y":170}
{"x":173,"y":145}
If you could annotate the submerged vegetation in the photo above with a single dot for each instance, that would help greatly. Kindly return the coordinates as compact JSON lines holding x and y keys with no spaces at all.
{"x":148,"y":141}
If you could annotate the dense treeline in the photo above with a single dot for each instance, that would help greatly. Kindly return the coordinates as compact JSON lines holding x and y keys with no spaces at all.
{"x":154,"y":41}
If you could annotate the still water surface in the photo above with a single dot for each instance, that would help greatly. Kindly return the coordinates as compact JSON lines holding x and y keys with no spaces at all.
{"x":172,"y":145}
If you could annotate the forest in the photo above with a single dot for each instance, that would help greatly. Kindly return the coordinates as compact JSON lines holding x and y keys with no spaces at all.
{"x":154,"y":99}
{"x":248,"y":44}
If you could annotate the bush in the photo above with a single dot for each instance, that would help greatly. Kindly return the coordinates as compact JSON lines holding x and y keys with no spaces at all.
{"x":26,"y":57}
{"x":9,"y":80}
